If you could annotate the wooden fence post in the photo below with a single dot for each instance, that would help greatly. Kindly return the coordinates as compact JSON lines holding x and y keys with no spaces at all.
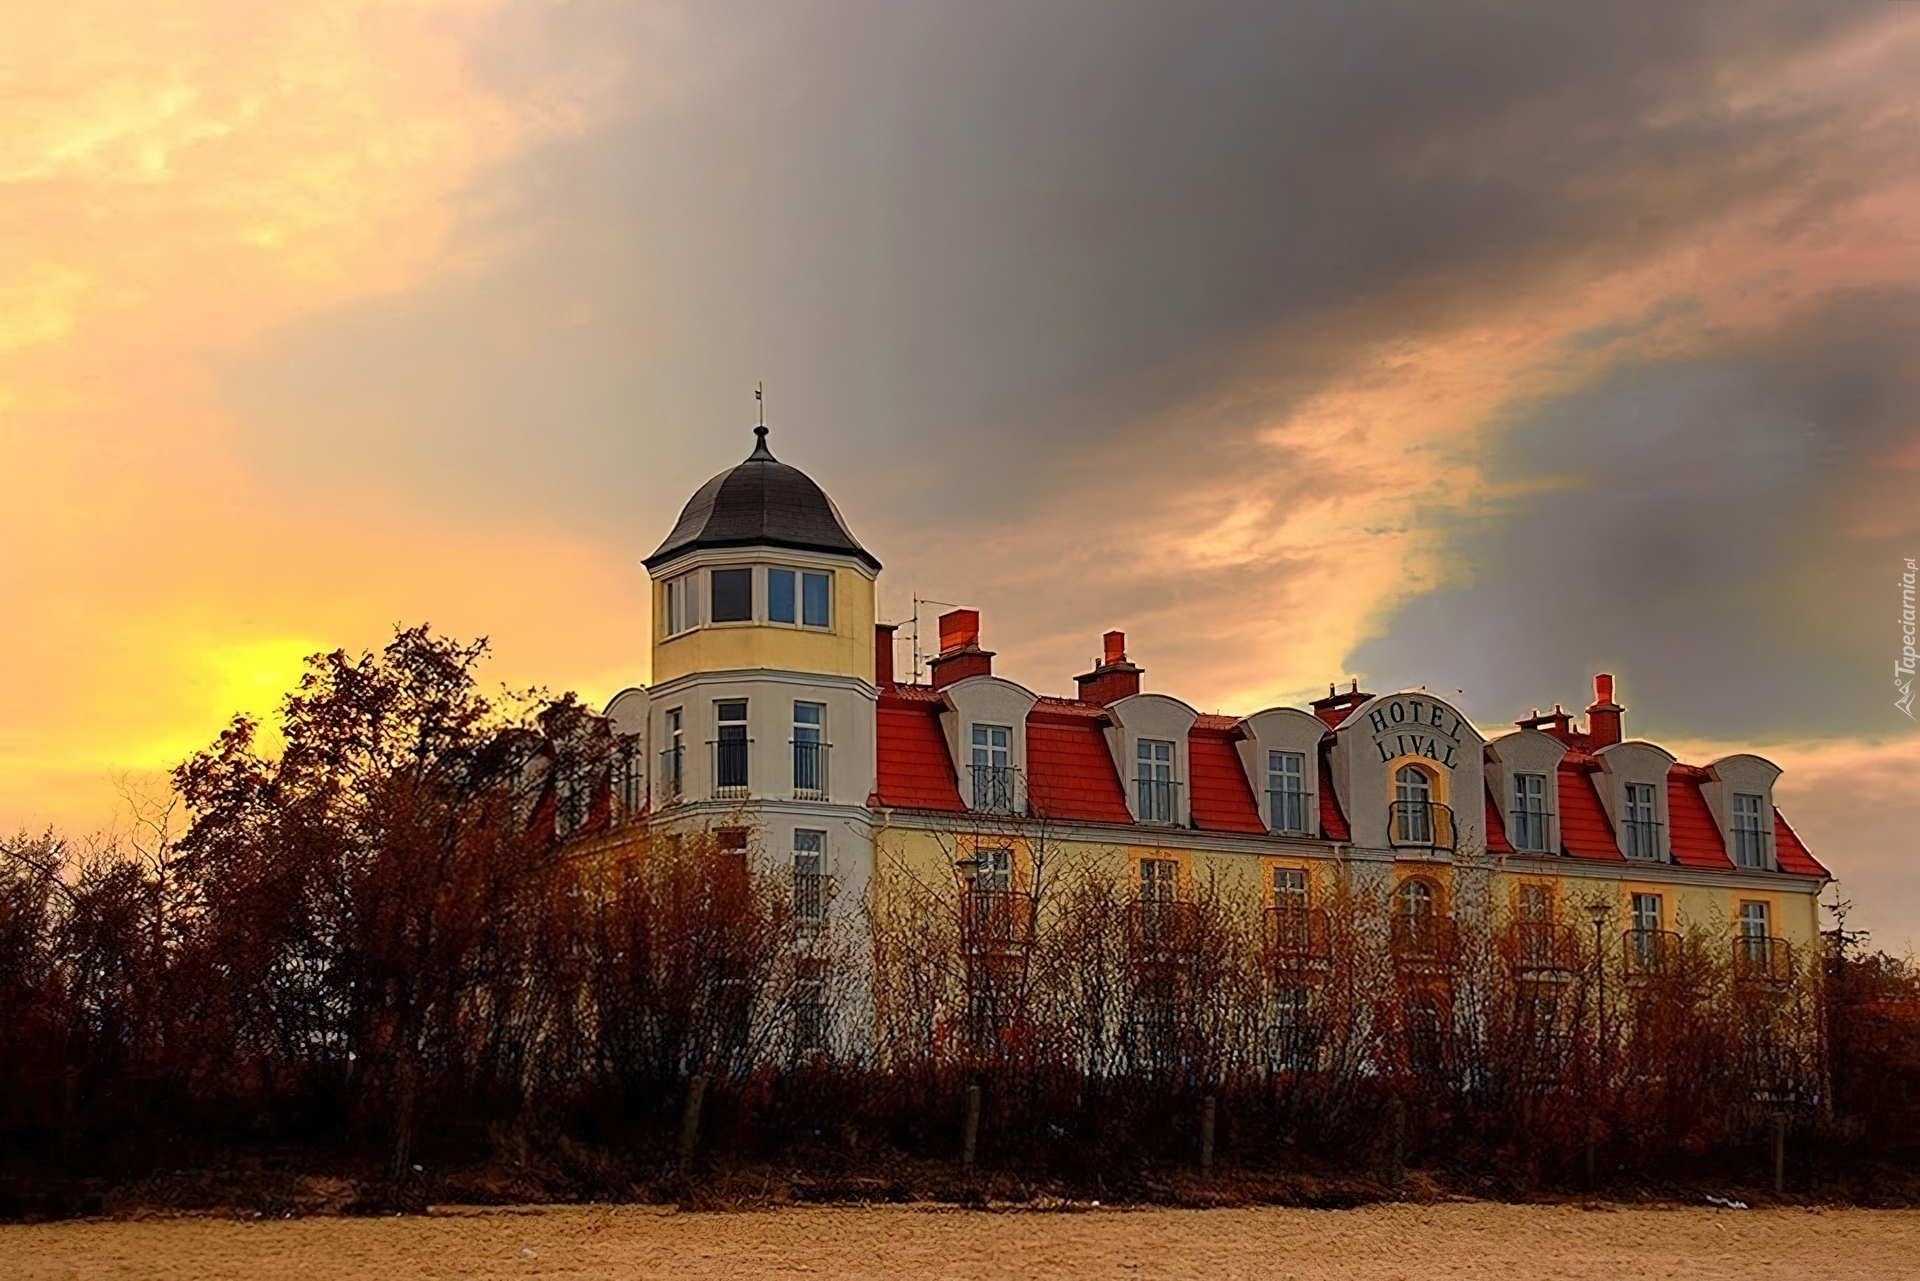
{"x":690,"y":1122}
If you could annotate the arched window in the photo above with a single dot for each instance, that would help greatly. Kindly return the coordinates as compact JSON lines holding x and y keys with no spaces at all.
{"x":1416,"y":900}
{"x":1413,"y":806}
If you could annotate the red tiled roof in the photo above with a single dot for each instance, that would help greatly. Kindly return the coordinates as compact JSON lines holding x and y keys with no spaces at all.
{"x":1219,"y":797}
{"x":1790,"y":853}
{"x":1584,"y":829}
{"x":1497,"y":842}
{"x":1333,"y":824}
{"x":1070,"y":772}
{"x":1692,"y":834}
{"x":911,"y":766}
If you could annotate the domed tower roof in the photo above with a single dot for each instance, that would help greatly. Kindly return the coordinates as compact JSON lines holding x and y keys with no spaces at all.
{"x":761,"y":503}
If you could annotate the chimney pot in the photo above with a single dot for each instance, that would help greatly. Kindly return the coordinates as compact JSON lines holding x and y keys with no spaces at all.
{"x":958,"y":629}
{"x":1115,"y":650}
{"x":1603,"y":717}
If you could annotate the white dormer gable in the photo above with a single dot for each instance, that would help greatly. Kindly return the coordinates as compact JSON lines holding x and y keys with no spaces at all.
{"x":1514,"y":756}
{"x":1739,"y":791}
{"x":1636,"y":763}
{"x":1291,"y":731}
{"x":1152,"y":719}
{"x":986,"y":707}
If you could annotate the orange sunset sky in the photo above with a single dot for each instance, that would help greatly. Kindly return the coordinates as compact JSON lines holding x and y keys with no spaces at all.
{"x":1476,"y":346}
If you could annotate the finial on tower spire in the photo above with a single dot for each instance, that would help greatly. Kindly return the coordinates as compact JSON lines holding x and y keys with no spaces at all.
{"x":760,"y":449}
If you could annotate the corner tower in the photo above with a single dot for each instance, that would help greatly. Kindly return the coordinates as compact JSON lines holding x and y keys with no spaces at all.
{"x":763,"y":655}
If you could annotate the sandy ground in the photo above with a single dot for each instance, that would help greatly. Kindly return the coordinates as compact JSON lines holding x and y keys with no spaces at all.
{"x":1371,"y":1244}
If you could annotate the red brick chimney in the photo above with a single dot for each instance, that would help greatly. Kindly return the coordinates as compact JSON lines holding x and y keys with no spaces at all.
{"x":883,"y":654}
{"x":960,"y":653}
{"x":1334,"y":707}
{"x":1114,"y":678}
{"x":1603,"y":714}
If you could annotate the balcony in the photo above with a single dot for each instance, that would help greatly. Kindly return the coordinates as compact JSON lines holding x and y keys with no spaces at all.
{"x":1421,"y":942}
{"x":1162,"y":929}
{"x":1298,"y":939}
{"x":1423,"y":825}
{"x":809,"y":771}
{"x":1648,"y":954}
{"x":810,"y":898}
{"x":1640,"y":838}
{"x":730,"y":769}
{"x":671,"y":776}
{"x":1543,"y":948}
{"x":1752,"y":848}
{"x":1530,"y":830}
{"x":1155,"y":801}
{"x":1287,"y":813}
{"x":995,"y":921}
{"x":1762,"y":959}
{"x":996,"y":788}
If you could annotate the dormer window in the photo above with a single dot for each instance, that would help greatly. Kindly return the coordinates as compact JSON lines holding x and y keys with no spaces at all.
{"x":1153,"y":780}
{"x":1749,"y":834}
{"x":1639,"y":823}
{"x":1529,"y":813}
{"x":992,"y":767}
{"x":1287,"y":791}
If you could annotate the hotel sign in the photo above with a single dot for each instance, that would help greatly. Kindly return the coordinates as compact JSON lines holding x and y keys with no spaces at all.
{"x":1416,"y":727}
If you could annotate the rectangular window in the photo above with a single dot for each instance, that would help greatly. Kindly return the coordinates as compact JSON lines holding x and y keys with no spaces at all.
{"x":1153,"y":780}
{"x":730,"y":747}
{"x":1290,"y":891}
{"x":809,"y":876}
{"x":816,"y":605}
{"x":673,"y":757}
{"x":996,"y":871}
{"x":1159,"y":880}
{"x":1641,"y":829}
{"x":809,"y":750}
{"x":632,"y":775}
{"x":1647,"y":949}
{"x":732,"y":595}
{"x":1753,"y":920}
{"x":780,"y":596}
{"x":1646,"y":911}
{"x":1536,"y":903}
{"x":683,"y":603}
{"x":1749,"y":836}
{"x":1529,"y":812}
{"x":1287,"y":791}
{"x":992,"y":767}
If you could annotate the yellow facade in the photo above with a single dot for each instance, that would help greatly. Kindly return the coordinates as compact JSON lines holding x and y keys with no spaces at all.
{"x":845,"y":649}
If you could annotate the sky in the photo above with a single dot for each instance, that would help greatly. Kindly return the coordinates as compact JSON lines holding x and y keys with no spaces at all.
{"x":1475,"y":346}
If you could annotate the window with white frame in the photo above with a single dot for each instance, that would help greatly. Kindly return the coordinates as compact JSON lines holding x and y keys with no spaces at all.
{"x":781,"y":601}
{"x":673,"y":757}
{"x":1529,"y":812}
{"x":809,"y":750}
{"x":1749,"y":832}
{"x":732,"y":592}
{"x":1639,"y":823}
{"x":1159,"y":880}
{"x":992,"y":767}
{"x":1287,"y":791}
{"x":1153,"y":780}
{"x":1753,"y":920}
{"x":1413,"y":817}
{"x":1647,"y":944}
{"x":683,"y":603}
{"x":730,"y":747}
{"x":816,"y":600}
{"x":809,"y":876}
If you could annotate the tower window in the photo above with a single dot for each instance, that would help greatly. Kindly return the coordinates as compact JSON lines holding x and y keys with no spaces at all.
{"x":816,"y":600}
{"x":780,"y":596}
{"x":732,"y":595}
{"x":683,"y":603}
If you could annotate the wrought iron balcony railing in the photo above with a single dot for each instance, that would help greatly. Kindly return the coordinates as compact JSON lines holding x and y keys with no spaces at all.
{"x":1287,"y":813}
{"x":1155,"y":800}
{"x":1649,"y":953}
{"x":730,"y":769}
{"x":1543,"y":947}
{"x":1762,"y":959}
{"x":1424,"y":825}
{"x":995,"y":920}
{"x":809,"y":897}
{"x":1640,"y":838}
{"x":996,"y":788}
{"x":1162,"y":927}
{"x":671,"y":777}
{"x":1530,"y":830}
{"x":810,"y":771}
{"x":1420,"y":941}
{"x":1752,"y":848}
{"x":1298,"y":938}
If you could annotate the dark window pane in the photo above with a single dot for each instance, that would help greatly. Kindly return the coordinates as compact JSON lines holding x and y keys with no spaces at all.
{"x":732,"y":595}
{"x":780,"y":595}
{"x":816,"y":602}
